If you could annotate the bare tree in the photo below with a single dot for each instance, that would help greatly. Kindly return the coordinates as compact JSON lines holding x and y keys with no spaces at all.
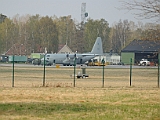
{"x":148,"y":9}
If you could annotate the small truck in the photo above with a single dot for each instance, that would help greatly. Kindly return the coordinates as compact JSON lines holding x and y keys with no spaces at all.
{"x":144,"y":62}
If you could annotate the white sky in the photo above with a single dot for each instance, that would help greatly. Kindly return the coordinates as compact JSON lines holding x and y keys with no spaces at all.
{"x":97,"y":9}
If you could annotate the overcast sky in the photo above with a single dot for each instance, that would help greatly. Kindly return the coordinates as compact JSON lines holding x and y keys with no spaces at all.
{"x":97,"y":9}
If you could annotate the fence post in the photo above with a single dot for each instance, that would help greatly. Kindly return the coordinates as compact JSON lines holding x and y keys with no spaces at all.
{"x":103,"y":72}
{"x":130,"y":71}
{"x":13,"y":72}
{"x":44,"y":71}
{"x":74,"y":81}
{"x":158,"y":71}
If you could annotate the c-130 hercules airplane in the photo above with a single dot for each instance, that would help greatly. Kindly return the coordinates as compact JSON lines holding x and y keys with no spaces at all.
{"x":68,"y":59}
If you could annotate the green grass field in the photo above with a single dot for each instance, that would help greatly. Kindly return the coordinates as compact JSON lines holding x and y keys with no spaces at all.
{"x":28,"y":100}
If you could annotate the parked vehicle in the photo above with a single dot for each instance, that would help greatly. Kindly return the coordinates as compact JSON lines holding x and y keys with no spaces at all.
{"x":36,"y":61}
{"x":4,"y":58}
{"x":29,"y":60}
{"x":144,"y":62}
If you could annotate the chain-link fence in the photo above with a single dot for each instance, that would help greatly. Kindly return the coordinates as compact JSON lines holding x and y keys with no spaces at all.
{"x":117,"y":76}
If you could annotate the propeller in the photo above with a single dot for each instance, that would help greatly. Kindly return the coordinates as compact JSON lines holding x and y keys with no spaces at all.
{"x":71,"y":56}
{"x":67,"y":56}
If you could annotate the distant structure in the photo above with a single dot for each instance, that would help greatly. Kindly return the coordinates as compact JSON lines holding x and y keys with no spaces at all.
{"x":141,"y":49}
{"x":17,"y":49}
{"x":2,"y":18}
{"x":84,"y":14}
{"x":64,"y":49}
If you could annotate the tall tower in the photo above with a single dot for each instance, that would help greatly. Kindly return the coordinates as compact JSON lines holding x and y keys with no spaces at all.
{"x":84,"y":14}
{"x":81,"y":39}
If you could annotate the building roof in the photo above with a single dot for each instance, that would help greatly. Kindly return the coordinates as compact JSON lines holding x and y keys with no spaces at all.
{"x":143,"y":46}
{"x":64,"y":49}
{"x":111,"y":54}
{"x":16,"y":49}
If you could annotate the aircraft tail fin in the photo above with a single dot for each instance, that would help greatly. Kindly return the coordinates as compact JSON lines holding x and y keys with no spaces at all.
{"x":97,"y":48}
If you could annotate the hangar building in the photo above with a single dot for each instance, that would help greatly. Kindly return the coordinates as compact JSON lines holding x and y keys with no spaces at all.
{"x":141,"y":49}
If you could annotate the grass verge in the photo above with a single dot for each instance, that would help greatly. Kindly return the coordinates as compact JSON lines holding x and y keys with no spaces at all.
{"x":88,"y":111}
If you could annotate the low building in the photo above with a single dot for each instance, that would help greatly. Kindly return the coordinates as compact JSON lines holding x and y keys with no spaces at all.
{"x":113,"y":58}
{"x":19,"y":52}
{"x":141,"y":49}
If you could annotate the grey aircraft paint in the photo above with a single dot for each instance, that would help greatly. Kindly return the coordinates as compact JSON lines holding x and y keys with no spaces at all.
{"x":68,"y":59}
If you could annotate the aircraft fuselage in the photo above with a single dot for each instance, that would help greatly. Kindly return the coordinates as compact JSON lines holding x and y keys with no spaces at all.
{"x":68,"y":59}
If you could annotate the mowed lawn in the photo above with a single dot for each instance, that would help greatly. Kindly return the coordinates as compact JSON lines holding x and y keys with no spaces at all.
{"x":29,"y":100}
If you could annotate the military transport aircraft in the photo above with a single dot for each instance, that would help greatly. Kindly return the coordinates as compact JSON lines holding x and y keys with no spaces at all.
{"x":69,"y":59}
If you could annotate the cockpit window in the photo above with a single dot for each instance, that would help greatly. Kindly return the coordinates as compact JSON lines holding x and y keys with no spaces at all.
{"x":48,"y":55}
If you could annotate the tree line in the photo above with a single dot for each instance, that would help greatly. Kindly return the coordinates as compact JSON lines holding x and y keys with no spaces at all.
{"x":37,"y":32}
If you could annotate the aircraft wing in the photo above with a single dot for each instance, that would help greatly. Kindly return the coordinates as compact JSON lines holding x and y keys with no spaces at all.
{"x":89,"y":54}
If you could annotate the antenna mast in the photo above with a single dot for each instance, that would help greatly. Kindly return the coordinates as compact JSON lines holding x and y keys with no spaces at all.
{"x":84,"y":14}
{"x":83,"y":11}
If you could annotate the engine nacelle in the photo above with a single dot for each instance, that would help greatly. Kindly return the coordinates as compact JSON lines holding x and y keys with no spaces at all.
{"x":71,"y":56}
